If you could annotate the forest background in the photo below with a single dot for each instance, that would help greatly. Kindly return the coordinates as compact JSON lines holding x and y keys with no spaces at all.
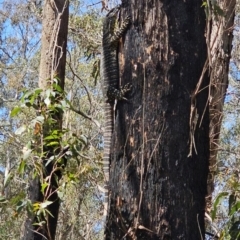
{"x":81,"y":210}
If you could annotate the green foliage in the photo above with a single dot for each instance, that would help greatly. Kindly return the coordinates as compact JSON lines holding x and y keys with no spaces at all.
{"x":216,"y":203}
{"x":226,"y":205}
{"x":48,"y":103}
{"x":231,"y":229}
{"x":78,"y":143}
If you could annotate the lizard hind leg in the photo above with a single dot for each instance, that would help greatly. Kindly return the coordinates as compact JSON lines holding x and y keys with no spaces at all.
{"x":124,"y":90}
{"x":114,"y":94}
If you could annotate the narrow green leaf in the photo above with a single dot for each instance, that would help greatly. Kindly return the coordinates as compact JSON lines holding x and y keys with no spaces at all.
{"x":231,"y":201}
{"x":26,"y":95}
{"x":32,"y":99}
{"x":54,"y":143}
{"x":37,"y":91}
{"x":216,"y":203}
{"x":29,"y":206}
{"x":57,"y":87}
{"x":43,"y":187}
{"x":55,"y":132}
{"x":21,"y":168}
{"x":15,"y":111}
{"x":42,"y":223}
{"x":51,"y":137}
{"x":49,"y":213}
{"x":234,"y":208}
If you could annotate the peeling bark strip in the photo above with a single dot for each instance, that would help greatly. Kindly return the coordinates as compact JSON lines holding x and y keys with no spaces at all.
{"x":157,"y":191}
{"x":220,"y":47}
{"x":53,"y":60}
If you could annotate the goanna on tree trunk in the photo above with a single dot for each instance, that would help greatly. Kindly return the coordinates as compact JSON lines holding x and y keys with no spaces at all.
{"x":159,"y":160}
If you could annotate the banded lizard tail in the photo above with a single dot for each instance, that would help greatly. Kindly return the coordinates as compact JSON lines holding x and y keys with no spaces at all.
{"x":110,"y":81}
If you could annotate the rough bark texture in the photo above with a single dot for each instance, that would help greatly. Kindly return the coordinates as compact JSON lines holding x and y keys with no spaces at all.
{"x":157,"y":191}
{"x":53,"y":59}
{"x":54,"y":42}
{"x":220,"y":47}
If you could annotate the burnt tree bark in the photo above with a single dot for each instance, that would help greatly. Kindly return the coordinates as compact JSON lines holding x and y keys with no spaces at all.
{"x":160,"y":153}
{"x":52,"y":69}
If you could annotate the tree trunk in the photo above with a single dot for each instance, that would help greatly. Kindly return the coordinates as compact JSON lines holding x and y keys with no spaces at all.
{"x":160,"y":151}
{"x":220,"y":47}
{"x":52,"y":67}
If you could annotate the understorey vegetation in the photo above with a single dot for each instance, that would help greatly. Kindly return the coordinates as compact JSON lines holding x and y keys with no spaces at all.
{"x":174,"y":152}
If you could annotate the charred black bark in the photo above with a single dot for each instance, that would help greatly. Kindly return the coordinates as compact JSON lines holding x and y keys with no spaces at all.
{"x":157,"y":189}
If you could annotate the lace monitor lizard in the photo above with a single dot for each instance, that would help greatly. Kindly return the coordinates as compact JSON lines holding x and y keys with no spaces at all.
{"x":110,"y":85}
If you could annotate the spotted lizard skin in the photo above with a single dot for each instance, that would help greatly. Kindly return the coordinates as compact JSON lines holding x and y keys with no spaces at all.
{"x":109,"y":70}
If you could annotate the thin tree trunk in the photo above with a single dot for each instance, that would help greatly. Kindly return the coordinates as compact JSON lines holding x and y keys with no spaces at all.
{"x":220,"y":47}
{"x":52,"y":66}
{"x":160,"y":153}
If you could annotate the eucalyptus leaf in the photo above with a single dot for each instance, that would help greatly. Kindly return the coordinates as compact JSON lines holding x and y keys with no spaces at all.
{"x":217,"y":201}
{"x":15,"y":111}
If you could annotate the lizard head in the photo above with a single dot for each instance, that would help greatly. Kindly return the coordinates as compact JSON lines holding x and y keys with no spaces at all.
{"x":111,"y":18}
